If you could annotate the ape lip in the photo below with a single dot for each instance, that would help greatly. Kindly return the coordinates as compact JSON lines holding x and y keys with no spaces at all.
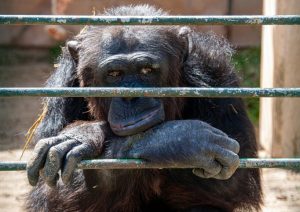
{"x":142,"y":119}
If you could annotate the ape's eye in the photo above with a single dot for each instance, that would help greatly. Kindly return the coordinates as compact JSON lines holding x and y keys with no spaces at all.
{"x":114,"y":73}
{"x":146,"y":70}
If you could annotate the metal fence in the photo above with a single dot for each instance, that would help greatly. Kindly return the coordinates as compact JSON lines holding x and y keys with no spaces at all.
{"x":153,"y":92}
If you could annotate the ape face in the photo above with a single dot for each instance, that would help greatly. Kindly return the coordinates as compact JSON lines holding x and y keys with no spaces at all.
{"x":130,"y":57}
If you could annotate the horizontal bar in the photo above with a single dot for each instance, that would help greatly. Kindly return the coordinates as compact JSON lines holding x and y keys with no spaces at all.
{"x":139,"y":164}
{"x":149,"y":20}
{"x":151,"y":92}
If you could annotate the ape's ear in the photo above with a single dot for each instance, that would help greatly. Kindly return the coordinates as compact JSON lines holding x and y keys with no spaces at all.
{"x":192,"y":58}
{"x":207,"y":59}
{"x":184,"y":34}
{"x":73,"y":48}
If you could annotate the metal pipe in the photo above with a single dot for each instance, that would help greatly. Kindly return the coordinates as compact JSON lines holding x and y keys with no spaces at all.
{"x":140,"y":164}
{"x":151,"y":92}
{"x":150,"y":20}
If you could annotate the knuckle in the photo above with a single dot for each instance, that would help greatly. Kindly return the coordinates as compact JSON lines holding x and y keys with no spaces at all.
{"x":53,"y":152}
{"x":41,"y":144}
{"x":44,"y":143}
{"x":72,"y":156}
{"x":235,"y":161}
{"x":47,"y":141}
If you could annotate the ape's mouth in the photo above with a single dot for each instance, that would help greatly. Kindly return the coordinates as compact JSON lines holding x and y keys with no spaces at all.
{"x":140,"y":124}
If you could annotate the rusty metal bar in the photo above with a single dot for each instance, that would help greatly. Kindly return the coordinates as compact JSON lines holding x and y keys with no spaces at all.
{"x":140,"y":164}
{"x":149,"y":20}
{"x":151,"y":92}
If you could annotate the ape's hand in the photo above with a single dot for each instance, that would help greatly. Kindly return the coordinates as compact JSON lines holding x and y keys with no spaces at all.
{"x":63,"y":152}
{"x":185,"y":142}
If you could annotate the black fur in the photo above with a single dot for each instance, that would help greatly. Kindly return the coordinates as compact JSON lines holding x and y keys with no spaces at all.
{"x":207,"y":64}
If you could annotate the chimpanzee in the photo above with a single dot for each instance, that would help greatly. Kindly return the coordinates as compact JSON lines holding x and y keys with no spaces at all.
{"x":209,"y":133}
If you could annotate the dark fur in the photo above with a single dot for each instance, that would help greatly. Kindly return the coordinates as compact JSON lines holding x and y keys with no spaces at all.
{"x":207,"y":65}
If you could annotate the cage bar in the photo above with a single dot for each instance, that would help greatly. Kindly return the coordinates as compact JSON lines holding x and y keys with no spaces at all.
{"x":290,"y":163}
{"x":151,"y":92}
{"x":149,"y":20}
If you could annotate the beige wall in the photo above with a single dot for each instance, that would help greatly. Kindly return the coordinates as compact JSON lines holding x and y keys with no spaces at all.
{"x":22,"y":35}
{"x":279,"y":117}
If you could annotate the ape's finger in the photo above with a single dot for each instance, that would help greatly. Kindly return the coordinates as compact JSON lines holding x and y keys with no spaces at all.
{"x":39,"y":156}
{"x":225,"y":173}
{"x":42,"y":175}
{"x":226,"y":143}
{"x":74,"y":157}
{"x":54,"y":160}
{"x":210,"y":169}
{"x":229,"y":161}
{"x":213,"y":129}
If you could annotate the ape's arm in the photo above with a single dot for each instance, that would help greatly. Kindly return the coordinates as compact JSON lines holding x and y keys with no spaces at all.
{"x":185,"y":142}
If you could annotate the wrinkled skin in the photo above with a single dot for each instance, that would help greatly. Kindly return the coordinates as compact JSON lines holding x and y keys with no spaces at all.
{"x":212,"y":150}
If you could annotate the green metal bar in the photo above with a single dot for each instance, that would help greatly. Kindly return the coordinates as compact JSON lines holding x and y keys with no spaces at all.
{"x":151,"y":92}
{"x":140,"y":164}
{"x":12,"y":166}
{"x":150,"y":20}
